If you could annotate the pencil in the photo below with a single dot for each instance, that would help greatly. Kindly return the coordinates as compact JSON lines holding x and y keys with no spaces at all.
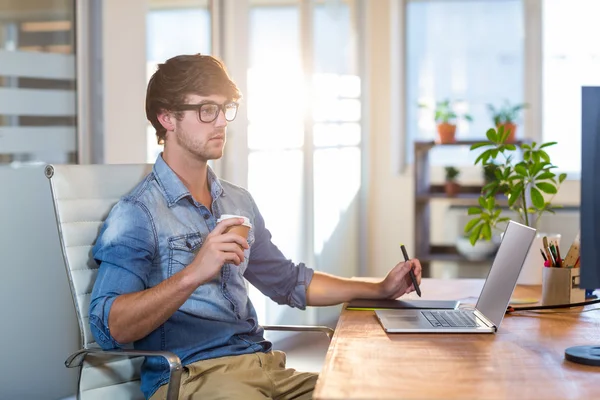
{"x":413,"y":278}
{"x":543,"y":255}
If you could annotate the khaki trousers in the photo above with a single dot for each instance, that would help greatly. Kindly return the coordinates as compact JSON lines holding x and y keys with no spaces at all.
{"x":248,"y":377}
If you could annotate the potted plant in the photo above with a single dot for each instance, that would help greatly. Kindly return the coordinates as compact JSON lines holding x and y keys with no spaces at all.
{"x":445,"y":118}
{"x":452,"y":187}
{"x":506,"y":116}
{"x":530,"y":186}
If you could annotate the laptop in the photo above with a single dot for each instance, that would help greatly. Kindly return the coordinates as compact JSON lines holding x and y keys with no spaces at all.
{"x":492,"y":303}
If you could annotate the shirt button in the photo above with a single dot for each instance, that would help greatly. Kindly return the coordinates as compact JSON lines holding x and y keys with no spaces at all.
{"x":206,"y":216}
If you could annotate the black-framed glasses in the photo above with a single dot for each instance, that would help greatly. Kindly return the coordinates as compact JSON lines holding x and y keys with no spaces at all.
{"x":208,"y":112}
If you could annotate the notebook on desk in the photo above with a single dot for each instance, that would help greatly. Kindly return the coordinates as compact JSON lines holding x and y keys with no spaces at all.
{"x":492,"y":303}
{"x":378,"y":304}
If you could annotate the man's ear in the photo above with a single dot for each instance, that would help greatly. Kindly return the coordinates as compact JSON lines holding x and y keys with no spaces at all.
{"x":167,"y":120}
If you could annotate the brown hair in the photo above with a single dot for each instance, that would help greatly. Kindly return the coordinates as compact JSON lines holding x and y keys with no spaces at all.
{"x":181,"y":76}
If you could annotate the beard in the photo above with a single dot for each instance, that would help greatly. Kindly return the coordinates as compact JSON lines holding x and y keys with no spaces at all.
{"x":202,"y":146}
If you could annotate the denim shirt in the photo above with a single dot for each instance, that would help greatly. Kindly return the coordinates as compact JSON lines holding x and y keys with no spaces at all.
{"x":154,"y":232}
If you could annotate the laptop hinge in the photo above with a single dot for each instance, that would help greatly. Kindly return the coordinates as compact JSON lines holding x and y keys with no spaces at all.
{"x":486,"y":321}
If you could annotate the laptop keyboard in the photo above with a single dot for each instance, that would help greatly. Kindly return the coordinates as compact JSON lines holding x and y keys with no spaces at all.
{"x":450,"y":319}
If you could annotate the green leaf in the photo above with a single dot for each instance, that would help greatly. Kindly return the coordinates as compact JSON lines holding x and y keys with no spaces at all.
{"x":475,"y":234}
{"x":511,"y":147}
{"x":482,"y":202}
{"x":471,"y":224}
{"x":490,"y":188}
{"x":545,"y":175}
{"x":546,"y":187}
{"x":544,"y":155}
{"x":514,"y":195}
{"x":520,"y":169}
{"x":478,"y":145}
{"x":483,"y":156}
{"x":537,"y":198}
{"x":505,"y":133}
{"x":492,"y":135}
{"x":491,"y":202}
{"x":536,"y":157}
{"x":547,"y":144}
{"x":486,"y":232}
{"x":474,"y":210}
{"x":562,"y":177}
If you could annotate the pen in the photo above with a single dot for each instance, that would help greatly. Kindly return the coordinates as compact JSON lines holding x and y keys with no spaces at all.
{"x":410,"y":271}
{"x":558,"y":257}
{"x":552,"y":261}
{"x":543,"y":255}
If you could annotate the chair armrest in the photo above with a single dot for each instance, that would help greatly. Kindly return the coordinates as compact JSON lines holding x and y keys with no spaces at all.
{"x":301,"y":328}
{"x":76,"y":360}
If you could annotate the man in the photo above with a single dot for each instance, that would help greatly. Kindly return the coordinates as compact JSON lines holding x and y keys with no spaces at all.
{"x":171,"y":278}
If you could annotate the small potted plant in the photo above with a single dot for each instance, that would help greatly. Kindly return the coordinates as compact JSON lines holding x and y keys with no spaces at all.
{"x":506,"y":116}
{"x":530,"y":186}
{"x":452,"y":187}
{"x":445,"y":118}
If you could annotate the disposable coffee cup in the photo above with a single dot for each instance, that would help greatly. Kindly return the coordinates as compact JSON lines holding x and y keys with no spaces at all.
{"x":242,"y":229}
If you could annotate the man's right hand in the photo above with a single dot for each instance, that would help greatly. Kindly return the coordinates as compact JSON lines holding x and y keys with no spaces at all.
{"x":219,"y":248}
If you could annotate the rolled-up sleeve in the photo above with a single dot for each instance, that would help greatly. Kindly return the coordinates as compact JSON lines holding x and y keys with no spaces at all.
{"x":272,"y":273}
{"x":124,"y":251}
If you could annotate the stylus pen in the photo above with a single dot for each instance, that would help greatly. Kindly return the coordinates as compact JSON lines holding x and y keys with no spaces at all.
{"x":410,"y":271}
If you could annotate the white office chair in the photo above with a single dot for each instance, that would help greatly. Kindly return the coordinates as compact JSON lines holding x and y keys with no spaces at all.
{"x":83,"y":195}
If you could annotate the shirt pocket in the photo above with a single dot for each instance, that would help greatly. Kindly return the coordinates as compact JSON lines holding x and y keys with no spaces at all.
{"x":183,"y":250}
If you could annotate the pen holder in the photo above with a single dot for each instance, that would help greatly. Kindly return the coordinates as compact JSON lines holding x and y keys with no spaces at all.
{"x":561,"y":286}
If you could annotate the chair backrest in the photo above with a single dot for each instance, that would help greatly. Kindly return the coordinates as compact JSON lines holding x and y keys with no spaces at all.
{"x":83,"y":195}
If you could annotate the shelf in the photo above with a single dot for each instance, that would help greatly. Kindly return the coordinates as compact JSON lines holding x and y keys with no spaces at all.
{"x":468,"y":195}
{"x":450,"y":254}
{"x":425,"y":145}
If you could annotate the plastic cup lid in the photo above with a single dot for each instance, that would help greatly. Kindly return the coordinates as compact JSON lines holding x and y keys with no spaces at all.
{"x":227,"y":216}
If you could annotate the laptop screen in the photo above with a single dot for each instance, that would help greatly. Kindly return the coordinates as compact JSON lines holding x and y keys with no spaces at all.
{"x":503,"y":275}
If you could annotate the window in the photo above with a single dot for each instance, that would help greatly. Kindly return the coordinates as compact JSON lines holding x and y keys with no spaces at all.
{"x":172,"y":31}
{"x":469,"y":50}
{"x":312,"y":156}
{"x":38,"y":83}
{"x":571,"y":59}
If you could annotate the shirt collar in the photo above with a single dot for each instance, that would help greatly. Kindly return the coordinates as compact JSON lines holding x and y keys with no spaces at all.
{"x":174,"y":189}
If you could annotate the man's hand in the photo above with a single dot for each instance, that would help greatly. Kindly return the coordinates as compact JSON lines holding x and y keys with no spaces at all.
{"x":219,"y":248}
{"x":398,"y":282}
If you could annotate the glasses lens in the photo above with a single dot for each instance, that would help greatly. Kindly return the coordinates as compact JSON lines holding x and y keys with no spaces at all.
{"x":231,"y":111}
{"x":208,"y":112}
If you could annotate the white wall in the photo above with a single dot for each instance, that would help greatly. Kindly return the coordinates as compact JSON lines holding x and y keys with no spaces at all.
{"x":390,"y":205}
{"x":124,"y":88}
{"x":390,"y":198}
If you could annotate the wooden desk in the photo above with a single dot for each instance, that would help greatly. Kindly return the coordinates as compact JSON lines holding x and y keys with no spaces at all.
{"x":524,"y":359}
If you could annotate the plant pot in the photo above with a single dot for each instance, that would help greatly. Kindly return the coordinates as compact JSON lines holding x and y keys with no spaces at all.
{"x":512,"y":128}
{"x":482,"y":250}
{"x":532,"y":272}
{"x":446,"y":133}
{"x":452,"y":188}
